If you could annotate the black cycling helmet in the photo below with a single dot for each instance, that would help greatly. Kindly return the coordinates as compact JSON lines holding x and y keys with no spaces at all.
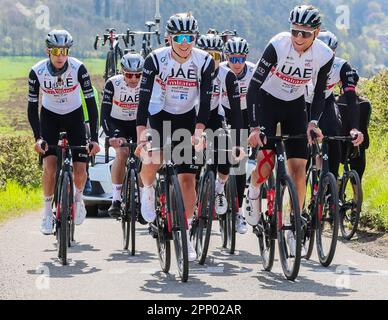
{"x":329,"y":39}
{"x":59,"y":39}
{"x":237,"y":45}
{"x":182,"y":23}
{"x":132,"y":62}
{"x":305,"y":15}
{"x":210,"y":42}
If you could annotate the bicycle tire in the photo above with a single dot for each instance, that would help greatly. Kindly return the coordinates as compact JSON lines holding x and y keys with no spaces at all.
{"x":332,"y":217}
{"x":178,"y":227}
{"x":264,"y":234}
{"x":125,"y":211}
{"x":308,"y":227}
{"x":354,"y":205}
{"x":110,"y":68}
{"x":64,"y":218}
{"x":205,"y":216}
{"x":223,"y":231}
{"x":290,"y":272}
{"x":162,"y":241}
{"x":230,"y":215}
{"x":133,"y":216}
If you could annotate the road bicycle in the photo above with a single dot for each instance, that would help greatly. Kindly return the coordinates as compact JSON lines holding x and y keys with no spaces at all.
{"x":320,"y":217}
{"x":280,"y":215}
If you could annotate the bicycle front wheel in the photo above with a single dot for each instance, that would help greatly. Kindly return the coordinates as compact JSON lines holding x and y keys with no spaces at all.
{"x":350,"y":204}
{"x":126,"y":211}
{"x":327,"y":219}
{"x":230,"y":215}
{"x":308,"y":219}
{"x":289,"y":228}
{"x":205,"y":216}
{"x":178,"y":228}
{"x":64,"y":227}
{"x":264,"y":228}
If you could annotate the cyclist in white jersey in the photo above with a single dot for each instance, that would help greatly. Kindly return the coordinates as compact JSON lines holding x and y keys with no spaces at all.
{"x":330,"y":122}
{"x":225,"y":87}
{"x":118,"y":118}
{"x":236,"y":51}
{"x":276,"y":94}
{"x":61,"y":78}
{"x":174,"y":79}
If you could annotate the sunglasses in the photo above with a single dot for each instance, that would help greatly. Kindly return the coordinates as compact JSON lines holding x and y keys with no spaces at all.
{"x":130,"y":75}
{"x":183,"y":37}
{"x":216,"y":55}
{"x":304,"y":33}
{"x":239,"y":60}
{"x":59,"y":51}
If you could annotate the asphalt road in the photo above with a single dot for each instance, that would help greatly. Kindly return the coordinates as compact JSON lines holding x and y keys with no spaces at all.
{"x":99,"y":269}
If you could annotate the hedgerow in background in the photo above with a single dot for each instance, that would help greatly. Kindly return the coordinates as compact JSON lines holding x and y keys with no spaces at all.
{"x":18,"y":161}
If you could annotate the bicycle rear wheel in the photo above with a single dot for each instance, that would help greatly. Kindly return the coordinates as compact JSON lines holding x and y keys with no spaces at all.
{"x":230,"y":215}
{"x":205,"y":216}
{"x":110,"y":68}
{"x":264,"y":229}
{"x":64,"y":226}
{"x":289,"y":227}
{"x":350,"y":204}
{"x":178,"y":228}
{"x":327,"y":219}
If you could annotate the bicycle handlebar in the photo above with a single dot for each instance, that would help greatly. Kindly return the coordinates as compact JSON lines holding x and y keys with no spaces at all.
{"x":44,"y":144}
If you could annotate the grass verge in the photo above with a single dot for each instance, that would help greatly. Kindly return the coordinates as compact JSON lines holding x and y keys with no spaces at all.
{"x":16,"y":200}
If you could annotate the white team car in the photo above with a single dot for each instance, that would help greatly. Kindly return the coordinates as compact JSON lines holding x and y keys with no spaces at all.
{"x":101,"y":179}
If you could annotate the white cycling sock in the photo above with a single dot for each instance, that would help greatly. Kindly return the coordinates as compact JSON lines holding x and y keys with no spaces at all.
{"x":47,"y":205}
{"x":78,"y":195}
{"x":220,"y":184}
{"x":253,"y":191}
{"x":116,"y":188}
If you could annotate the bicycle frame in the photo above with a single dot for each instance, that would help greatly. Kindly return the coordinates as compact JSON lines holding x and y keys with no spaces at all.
{"x":63,"y":165}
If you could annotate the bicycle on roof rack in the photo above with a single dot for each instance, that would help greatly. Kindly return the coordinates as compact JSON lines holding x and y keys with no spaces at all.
{"x":146,"y":47}
{"x":115,"y":52}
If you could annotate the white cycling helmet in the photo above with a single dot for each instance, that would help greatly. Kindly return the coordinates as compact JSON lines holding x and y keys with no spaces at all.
{"x":59,"y":39}
{"x":182,"y":23}
{"x":210,"y":42}
{"x":329,"y":38}
{"x":305,"y":15}
{"x":237,"y":45}
{"x":132,"y":62}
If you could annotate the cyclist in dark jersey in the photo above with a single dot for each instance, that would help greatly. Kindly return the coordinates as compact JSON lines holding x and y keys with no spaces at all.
{"x":330,"y":122}
{"x":357,"y":163}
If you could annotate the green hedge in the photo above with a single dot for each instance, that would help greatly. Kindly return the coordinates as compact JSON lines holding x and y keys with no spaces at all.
{"x":376,"y":90}
{"x":18,"y":161}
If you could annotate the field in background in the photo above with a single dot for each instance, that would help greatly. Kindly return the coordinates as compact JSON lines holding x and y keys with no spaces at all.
{"x":13,"y":120}
{"x":14,"y":90}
